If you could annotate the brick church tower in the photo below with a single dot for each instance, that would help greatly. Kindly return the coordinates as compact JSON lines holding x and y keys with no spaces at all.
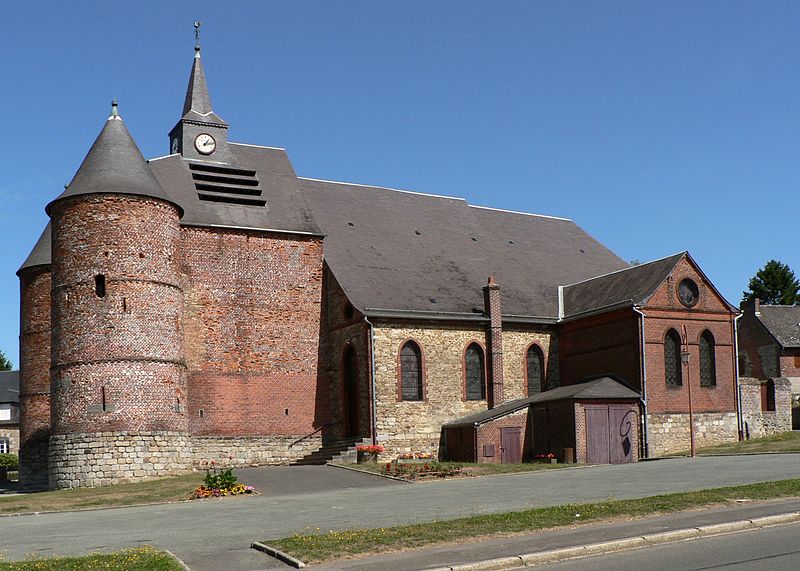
{"x":118,"y":373}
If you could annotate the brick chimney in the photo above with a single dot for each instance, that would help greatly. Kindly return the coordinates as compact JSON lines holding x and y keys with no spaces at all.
{"x":751,"y":306}
{"x":494,"y":363}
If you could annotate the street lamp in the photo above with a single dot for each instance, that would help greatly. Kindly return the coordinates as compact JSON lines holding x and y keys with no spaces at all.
{"x":685,"y":361}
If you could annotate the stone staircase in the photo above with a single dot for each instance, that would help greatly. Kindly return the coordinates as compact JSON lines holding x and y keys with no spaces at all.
{"x":340,"y":451}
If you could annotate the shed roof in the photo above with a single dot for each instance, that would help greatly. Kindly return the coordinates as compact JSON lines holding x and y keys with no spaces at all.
{"x":603,"y":388}
{"x":783,"y":322}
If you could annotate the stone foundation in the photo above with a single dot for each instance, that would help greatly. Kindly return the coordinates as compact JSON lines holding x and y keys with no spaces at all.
{"x":668,"y":433}
{"x":100,"y":459}
{"x":252,"y":450}
{"x":33,"y":470}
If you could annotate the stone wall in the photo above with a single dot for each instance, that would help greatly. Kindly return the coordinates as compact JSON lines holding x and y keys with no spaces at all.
{"x":668,"y":433}
{"x":415,"y":426}
{"x":240,"y":451}
{"x":757,"y":421}
{"x":12,"y":434}
{"x":106,"y":458}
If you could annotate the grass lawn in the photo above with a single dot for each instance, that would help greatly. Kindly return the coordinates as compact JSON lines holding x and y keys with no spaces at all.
{"x":161,"y":490}
{"x":313,"y":548}
{"x":474,"y":468}
{"x":138,"y":559}
{"x":781,"y":442}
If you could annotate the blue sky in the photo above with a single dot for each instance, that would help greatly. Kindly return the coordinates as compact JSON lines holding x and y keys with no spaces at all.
{"x":657,"y":127}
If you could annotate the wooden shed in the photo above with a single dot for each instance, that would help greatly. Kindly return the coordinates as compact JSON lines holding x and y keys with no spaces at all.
{"x":592,"y":422}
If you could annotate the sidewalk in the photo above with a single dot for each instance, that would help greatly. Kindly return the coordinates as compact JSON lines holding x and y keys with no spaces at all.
{"x":476,"y":551}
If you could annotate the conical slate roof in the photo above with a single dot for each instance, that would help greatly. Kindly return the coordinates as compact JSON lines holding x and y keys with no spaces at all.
{"x":197,"y":105}
{"x":40,"y":255}
{"x":114,"y":165}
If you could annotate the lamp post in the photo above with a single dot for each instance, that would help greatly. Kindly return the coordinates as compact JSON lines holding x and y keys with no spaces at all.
{"x":685,"y":361}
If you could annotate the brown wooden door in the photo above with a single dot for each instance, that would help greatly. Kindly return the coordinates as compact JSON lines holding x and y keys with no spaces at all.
{"x":621,"y":433}
{"x":511,"y":445}
{"x":350,"y":392}
{"x":597,"y":434}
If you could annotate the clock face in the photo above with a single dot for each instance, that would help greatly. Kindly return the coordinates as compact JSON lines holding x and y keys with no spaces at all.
{"x":205,"y":144}
{"x":688,"y":293}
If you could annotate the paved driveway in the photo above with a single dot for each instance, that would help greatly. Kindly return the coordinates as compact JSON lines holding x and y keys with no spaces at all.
{"x":216,"y":534}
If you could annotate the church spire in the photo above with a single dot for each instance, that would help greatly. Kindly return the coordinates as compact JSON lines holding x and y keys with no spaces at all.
{"x":200,"y":133}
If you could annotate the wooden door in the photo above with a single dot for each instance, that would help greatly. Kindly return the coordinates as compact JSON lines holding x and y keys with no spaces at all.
{"x":350,"y":390}
{"x":511,"y":445}
{"x":621,"y":433}
{"x":597,"y":434}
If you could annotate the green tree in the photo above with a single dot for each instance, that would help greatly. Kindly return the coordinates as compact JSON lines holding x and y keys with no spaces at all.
{"x":774,"y":284}
{"x":5,"y":364}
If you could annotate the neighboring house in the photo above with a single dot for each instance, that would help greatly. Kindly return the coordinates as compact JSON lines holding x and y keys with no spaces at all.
{"x":213,"y":304}
{"x":769,"y":366}
{"x":9,"y":412}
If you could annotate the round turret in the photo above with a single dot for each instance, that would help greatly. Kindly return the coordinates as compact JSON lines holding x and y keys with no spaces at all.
{"x":118,"y":370}
{"x":34,"y":364}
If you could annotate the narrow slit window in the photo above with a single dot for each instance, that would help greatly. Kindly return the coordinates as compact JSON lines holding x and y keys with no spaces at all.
{"x":100,"y":285}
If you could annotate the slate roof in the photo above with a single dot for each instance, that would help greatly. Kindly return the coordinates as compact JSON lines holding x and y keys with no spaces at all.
{"x":603,"y":388}
{"x":783,"y":322}
{"x":400,"y":253}
{"x":285,"y":210}
{"x":40,"y":255}
{"x":113,"y":165}
{"x":197,"y":105}
{"x":633,"y":285}
{"x":9,"y":386}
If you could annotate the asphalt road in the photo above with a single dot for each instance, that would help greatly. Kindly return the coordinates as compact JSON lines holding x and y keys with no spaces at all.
{"x":212,"y":534}
{"x":774,"y":548}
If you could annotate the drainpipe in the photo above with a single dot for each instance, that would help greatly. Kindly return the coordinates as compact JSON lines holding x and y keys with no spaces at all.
{"x":739,"y":419}
{"x":374,"y":400}
{"x":643,"y":365}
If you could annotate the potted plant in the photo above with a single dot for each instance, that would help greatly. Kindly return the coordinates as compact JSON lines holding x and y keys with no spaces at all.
{"x":368,"y":453}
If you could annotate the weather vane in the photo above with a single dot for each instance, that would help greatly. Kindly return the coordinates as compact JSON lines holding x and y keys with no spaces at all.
{"x":197,"y":36}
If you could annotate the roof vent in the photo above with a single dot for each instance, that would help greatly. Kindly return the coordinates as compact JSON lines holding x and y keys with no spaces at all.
{"x":227,"y":185}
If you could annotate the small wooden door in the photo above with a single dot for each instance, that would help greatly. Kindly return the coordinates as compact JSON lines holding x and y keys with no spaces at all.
{"x":609,"y":434}
{"x":511,"y":445}
{"x":597,"y":441}
{"x":350,"y":390}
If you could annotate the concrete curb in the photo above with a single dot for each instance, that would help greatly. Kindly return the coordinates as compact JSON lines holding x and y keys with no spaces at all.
{"x":180,"y":561}
{"x":278,"y":554}
{"x":530,"y":559}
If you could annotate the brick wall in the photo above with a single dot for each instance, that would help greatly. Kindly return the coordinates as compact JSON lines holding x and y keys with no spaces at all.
{"x":34,"y":375}
{"x":490,"y":433}
{"x":252,"y":332}
{"x":601,"y":345}
{"x":758,"y":350}
{"x":416,"y":426}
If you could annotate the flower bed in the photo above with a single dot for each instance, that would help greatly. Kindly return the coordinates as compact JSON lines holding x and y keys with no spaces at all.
{"x":219,"y":482}
{"x":416,"y":471}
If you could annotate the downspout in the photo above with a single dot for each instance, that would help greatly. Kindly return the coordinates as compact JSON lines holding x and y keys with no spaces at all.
{"x":374,"y":400}
{"x":739,"y":419}
{"x":643,"y":366}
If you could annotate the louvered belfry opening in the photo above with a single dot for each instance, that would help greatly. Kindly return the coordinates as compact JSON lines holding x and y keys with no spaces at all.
{"x":227,"y":185}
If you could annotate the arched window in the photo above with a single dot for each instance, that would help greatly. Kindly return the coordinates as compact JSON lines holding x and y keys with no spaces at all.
{"x":708,"y":365}
{"x":476,"y":372}
{"x":672,"y":359}
{"x":534,"y":361}
{"x":411,"y":372}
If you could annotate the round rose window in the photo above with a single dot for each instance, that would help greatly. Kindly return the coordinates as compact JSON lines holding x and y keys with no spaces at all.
{"x":688,"y":293}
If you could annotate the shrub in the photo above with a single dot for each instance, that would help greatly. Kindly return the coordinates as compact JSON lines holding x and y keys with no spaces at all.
{"x":9,"y":461}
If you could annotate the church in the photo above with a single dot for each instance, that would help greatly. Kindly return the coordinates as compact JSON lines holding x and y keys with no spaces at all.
{"x":212,"y":304}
